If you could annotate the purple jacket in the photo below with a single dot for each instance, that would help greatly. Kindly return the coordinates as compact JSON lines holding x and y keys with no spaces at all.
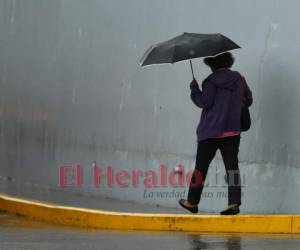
{"x":220,"y":100}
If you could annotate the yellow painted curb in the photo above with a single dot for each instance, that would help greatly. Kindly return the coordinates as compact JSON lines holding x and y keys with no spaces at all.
{"x":89,"y":218}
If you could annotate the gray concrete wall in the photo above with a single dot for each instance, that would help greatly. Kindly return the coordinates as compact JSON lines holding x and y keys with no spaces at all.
{"x":71,"y":91}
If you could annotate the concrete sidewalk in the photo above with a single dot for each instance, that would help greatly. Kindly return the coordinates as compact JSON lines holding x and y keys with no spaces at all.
{"x":78,"y":211}
{"x":67,"y":198}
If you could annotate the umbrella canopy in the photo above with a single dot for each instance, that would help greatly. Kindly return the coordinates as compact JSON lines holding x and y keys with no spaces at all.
{"x":187,"y":46}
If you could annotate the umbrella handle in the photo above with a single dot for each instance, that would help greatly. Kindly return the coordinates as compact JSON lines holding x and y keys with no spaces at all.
{"x":192,"y":69}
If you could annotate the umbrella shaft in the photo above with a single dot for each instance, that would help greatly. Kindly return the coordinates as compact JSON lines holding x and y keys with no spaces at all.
{"x":192,"y":69}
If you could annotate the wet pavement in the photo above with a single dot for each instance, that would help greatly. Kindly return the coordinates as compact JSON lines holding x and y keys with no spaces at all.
{"x":19,"y":233}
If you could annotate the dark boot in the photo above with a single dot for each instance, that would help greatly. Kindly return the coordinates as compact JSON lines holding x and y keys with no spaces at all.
{"x":231,"y":210}
{"x":193,"y":209}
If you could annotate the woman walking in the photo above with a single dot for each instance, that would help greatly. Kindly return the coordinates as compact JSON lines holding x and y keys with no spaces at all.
{"x":223,"y":92}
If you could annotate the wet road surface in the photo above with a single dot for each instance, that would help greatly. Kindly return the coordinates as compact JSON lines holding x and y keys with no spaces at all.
{"x":20,"y":233}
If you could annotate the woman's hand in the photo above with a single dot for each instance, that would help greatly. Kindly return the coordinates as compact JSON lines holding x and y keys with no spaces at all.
{"x":194,"y":84}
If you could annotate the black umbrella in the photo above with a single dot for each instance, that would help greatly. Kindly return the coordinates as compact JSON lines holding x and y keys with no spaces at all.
{"x":187,"y":46}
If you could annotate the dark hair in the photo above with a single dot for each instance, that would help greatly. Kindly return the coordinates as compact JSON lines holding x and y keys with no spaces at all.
{"x":224,"y":60}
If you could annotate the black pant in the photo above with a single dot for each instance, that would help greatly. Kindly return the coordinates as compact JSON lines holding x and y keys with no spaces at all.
{"x":206,"y":150}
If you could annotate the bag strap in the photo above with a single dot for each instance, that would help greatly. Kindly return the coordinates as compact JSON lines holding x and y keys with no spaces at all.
{"x":243,"y":82}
